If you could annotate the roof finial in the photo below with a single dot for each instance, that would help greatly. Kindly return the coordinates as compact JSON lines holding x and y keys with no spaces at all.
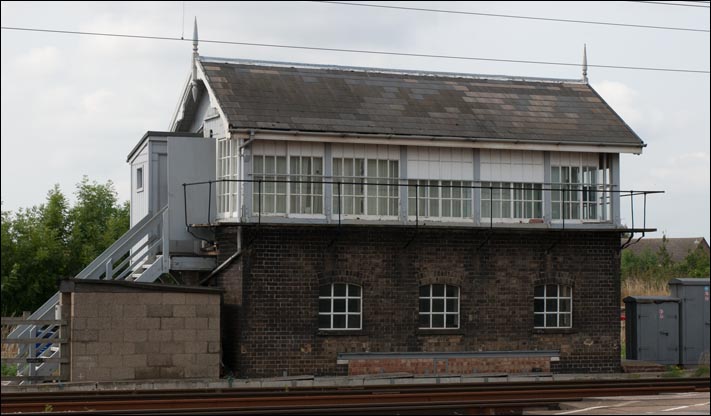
{"x":585,"y":63}
{"x":195,"y":59}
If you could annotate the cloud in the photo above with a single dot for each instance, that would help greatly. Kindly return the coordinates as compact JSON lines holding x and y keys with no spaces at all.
{"x":98,"y":101}
{"x":623,"y":99}
{"x":42,"y":61}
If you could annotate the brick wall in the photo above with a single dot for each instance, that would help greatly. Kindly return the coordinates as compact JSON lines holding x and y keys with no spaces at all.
{"x":128,"y":331}
{"x":274,"y":285}
{"x":424,"y":366}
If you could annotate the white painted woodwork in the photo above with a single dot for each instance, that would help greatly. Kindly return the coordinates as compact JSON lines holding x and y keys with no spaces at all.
{"x":440,"y":163}
{"x":512,"y":166}
{"x":383,"y":152}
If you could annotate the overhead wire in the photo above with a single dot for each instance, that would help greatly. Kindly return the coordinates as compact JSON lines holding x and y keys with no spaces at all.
{"x":663,"y":3}
{"x":508,"y":16}
{"x":374,"y":52}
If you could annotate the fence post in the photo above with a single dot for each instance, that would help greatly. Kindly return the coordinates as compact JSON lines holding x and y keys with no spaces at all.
{"x":109,"y":269}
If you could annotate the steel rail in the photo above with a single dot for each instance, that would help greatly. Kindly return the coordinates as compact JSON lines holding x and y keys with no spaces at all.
{"x":477,"y":395}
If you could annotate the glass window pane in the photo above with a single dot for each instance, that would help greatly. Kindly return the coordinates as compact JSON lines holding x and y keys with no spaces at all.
{"x":437,"y":321}
{"x":539,"y":291}
{"x":353,"y":290}
{"x":353,"y":305}
{"x":566,"y":291}
{"x":339,"y":305}
{"x":565,"y":305}
{"x":424,"y":291}
{"x":452,"y":305}
{"x":565,"y":320}
{"x":353,"y":321}
{"x":551,"y":305}
{"x":452,"y":291}
{"x":538,"y":305}
{"x":551,"y":320}
{"x":437,"y":305}
{"x":324,"y":290}
{"x":538,"y":320}
{"x":551,"y":291}
{"x":437,"y":290}
{"x":324,"y":321}
{"x":339,"y":289}
{"x":324,"y":305}
{"x":452,"y":321}
{"x":424,"y":321}
{"x":339,"y":321}
{"x":424,"y":305}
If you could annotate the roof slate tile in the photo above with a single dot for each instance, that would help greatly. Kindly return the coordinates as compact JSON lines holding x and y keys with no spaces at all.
{"x":355,"y":101}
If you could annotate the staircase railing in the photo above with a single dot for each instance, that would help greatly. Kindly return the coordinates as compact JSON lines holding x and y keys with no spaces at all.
{"x":141,"y":254}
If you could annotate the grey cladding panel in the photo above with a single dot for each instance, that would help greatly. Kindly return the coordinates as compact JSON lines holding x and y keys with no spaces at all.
{"x":694,"y":328}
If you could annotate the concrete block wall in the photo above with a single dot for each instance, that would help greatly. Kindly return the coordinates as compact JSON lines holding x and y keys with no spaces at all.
{"x":131,"y":331}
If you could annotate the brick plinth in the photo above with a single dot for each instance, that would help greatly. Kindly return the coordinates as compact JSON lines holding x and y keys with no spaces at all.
{"x":274,"y":285}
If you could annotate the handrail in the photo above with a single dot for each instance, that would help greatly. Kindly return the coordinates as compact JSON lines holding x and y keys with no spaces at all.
{"x":153,"y":228}
{"x":126,"y":241}
{"x":598,"y":194}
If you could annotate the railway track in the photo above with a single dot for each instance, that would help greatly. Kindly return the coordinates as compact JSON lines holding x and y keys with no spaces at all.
{"x":479,"y":398}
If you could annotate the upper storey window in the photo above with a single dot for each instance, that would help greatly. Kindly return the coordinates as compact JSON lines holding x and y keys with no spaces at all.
{"x":580,"y":186}
{"x":511,"y":200}
{"x":440,"y":185}
{"x":287,"y":179}
{"x":366,"y":182}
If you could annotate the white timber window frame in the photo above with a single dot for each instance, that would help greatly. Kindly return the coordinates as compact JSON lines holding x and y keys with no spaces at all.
{"x":369,"y":187}
{"x":552,"y":306}
{"x":139,"y":179}
{"x":512,"y":200}
{"x":439,"y":306}
{"x":446,"y":200}
{"x":340,"y":307}
{"x":226,"y":192}
{"x":580,"y":187}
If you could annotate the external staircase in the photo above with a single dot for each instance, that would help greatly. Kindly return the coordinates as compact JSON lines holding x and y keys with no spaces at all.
{"x":140,"y":255}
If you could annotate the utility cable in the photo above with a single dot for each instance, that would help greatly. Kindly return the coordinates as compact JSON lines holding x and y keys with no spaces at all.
{"x":374,"y":52}
{"x":546,"y":19}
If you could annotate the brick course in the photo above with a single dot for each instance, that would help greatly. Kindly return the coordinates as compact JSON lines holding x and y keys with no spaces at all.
{"x":271,"y":293}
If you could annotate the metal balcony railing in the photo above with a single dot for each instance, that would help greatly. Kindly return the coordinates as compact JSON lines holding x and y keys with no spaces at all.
{"x":272,"y":196}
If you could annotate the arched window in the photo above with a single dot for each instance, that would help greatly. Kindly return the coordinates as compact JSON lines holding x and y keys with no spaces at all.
{"x":553,"y":306}
{"x":439,"y":306}
{"x":339,"y":306}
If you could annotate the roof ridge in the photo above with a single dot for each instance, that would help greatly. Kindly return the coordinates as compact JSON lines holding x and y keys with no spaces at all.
{"x":238,"y":61}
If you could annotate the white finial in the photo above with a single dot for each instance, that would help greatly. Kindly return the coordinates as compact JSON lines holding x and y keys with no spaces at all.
{"x":195,"y":59}
{"x":585,"y":63}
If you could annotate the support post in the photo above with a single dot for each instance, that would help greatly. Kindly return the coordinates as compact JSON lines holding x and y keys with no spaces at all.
{"x":165,"y":231}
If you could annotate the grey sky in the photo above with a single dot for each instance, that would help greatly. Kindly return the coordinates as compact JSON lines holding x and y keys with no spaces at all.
{"x":76,"y":105}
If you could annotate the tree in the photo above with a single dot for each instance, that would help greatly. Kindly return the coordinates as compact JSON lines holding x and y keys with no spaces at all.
{"x":45,"y":243}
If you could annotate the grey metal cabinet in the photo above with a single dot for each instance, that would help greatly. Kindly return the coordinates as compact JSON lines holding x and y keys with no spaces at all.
{"x":694,"y":319}
{"x":652,"y":329}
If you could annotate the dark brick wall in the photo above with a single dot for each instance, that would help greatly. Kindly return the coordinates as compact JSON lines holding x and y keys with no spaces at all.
{"x":274,"y":286}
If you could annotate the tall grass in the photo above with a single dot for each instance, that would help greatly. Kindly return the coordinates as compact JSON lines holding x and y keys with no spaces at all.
{"x":637,"y":286}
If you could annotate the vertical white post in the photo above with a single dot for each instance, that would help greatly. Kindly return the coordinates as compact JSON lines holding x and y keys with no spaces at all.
{"x":109,"y":269}
{"x":166,"y":241}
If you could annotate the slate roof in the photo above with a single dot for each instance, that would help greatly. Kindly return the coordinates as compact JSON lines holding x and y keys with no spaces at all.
{"x":371,"y":101}
{"x":678,"y":248}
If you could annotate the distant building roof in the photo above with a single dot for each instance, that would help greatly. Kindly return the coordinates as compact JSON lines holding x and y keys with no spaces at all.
{"x":374,"y":101}
{"x":678,"y":248}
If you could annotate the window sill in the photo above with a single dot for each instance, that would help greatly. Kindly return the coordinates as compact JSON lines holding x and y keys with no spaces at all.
{"x":448,"y":331}
{"x":339,"y":333}
{"x":548,"y":331}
